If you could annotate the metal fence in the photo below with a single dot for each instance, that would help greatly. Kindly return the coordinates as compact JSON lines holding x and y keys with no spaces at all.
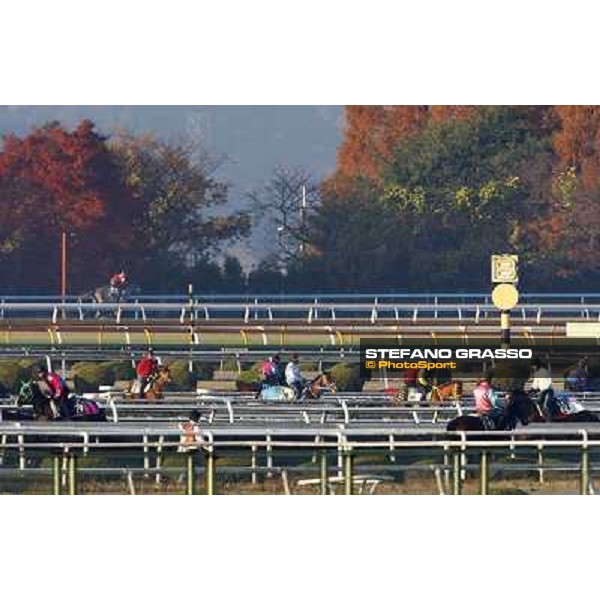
{"x":330,"y":456}
{"x":309,"y":311}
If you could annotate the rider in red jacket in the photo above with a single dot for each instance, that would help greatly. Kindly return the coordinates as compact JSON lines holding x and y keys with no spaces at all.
{"x":55,"y":388}
{"x":145,"y":369}
{"x":118,"y":283}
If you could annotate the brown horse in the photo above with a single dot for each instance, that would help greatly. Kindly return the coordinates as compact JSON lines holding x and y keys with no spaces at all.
{"x":321,"y":383}
{"x":155,"y":386}
{"x":450,"y":391}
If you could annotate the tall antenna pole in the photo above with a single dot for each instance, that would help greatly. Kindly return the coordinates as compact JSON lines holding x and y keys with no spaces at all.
{"x":63,"y":266}
{"x":302,"y":217}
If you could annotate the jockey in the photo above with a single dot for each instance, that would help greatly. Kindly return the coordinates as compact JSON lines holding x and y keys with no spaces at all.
{"x":55,"y":389}
{"x":577,"y":378}
{"x":271,"y":371}
{"x":145,"y":369}
{"x":424,"y":383}
{"x":488,"y":403}
{"x":293,"y":376}
{"x":542,"y":383}
{"x":118,"y":282}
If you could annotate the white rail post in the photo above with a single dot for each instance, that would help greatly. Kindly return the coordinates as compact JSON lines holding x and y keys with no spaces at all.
{"x":254,"y":464}
{"x":159,"y":452}
{"x":585,"y":464}
{"x":269,"y":456}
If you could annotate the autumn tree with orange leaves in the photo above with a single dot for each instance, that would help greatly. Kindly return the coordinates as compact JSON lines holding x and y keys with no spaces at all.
{"x":137,"y":202}
{"x":54,"y":180}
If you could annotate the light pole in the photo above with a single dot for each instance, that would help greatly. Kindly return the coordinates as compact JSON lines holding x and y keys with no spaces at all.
{"x":63,"y":263}
{"x":302,"y":219}
{"x":280,"y":231}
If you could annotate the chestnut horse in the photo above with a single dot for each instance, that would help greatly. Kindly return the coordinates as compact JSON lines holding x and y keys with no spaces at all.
{"x":321,"y":383}
{"x":154,"y":388}
{"x":450,"y":391}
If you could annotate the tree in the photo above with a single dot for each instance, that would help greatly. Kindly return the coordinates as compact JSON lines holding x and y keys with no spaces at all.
{"x":233,"y":278}
{"x":179,"y":216}
{"x":449,"y":196}
{"x":577,"y":142}
{"x":284,"y":205}
{"x":353,"y":245}
{"x":54,"y":180}
{"x":372,"y":133}
{"x":151,"y":206}
{"x":467,"y":189}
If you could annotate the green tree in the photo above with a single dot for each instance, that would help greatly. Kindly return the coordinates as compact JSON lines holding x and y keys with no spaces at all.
{"x":452,"y":195}
{"x":182,"y":218}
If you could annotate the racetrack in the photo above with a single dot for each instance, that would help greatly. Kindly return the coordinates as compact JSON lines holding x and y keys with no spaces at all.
{"x":241,"y":444}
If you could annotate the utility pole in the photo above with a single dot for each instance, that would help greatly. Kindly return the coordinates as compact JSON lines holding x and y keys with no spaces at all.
{"x":280,"y":231}
{"x":302,"y":219}
{"x":63,"y":263}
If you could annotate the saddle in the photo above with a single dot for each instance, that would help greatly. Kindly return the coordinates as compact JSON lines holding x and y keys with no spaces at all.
{"x":489,"y":423}
{"x":564,"y":405}
{"x":137,"y":384}
{"x":81,"y":407}
{"x":277,"y":392}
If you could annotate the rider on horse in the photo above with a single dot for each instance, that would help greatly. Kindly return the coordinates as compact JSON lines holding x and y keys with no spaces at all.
{"x":577,"y":379}
{"x":293,"y":376}
{"x":424,"y":383}
{"x":55,"y":388}
{"x":146,"y":368}
{"x":118,"y":283}
{"x":542,"y":384}
{"x":488,"y":403}
{"x":271,"y":371}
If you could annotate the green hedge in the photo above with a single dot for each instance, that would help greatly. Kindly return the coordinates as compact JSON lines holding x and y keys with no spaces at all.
{"x":347,"y":377}
{"x":88,"y":376}
{"x":248,"y":380}
{"x":11,"y":375}
{"x":181,"y":378}
{"x":121,"y":370}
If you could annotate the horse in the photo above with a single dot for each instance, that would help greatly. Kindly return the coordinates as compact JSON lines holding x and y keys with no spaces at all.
{"x":315,"y":388}
{"x":44,"y":409}
{"x":154,"y":387}
{"x":450,"y":391}
{"x":274,"y":393}
{"x":520,"y":408}
{"x":107,"y":294}
{"x":564,"y":410}
{"x":311,"y":391}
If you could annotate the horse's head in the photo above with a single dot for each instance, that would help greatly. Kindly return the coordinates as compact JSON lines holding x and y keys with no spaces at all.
{"x":26,"y":393}
{"x":520,"y":407}
{"x":327,"y":382}
{"x":164,"y":375}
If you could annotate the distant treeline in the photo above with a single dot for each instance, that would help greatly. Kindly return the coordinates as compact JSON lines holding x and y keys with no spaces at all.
{"x":421,"y":197}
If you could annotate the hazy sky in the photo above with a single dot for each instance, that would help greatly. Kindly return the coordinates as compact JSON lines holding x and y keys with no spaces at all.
{"x":252,"y":140}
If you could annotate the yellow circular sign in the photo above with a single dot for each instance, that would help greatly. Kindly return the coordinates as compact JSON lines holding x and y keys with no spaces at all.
{"x":505,"y":296}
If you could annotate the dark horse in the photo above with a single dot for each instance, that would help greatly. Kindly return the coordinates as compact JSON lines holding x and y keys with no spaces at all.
{"x":76,"y":409}
{"x":106,"y":294}
{"x":561,"y":416}
{"x":520,"y":408}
